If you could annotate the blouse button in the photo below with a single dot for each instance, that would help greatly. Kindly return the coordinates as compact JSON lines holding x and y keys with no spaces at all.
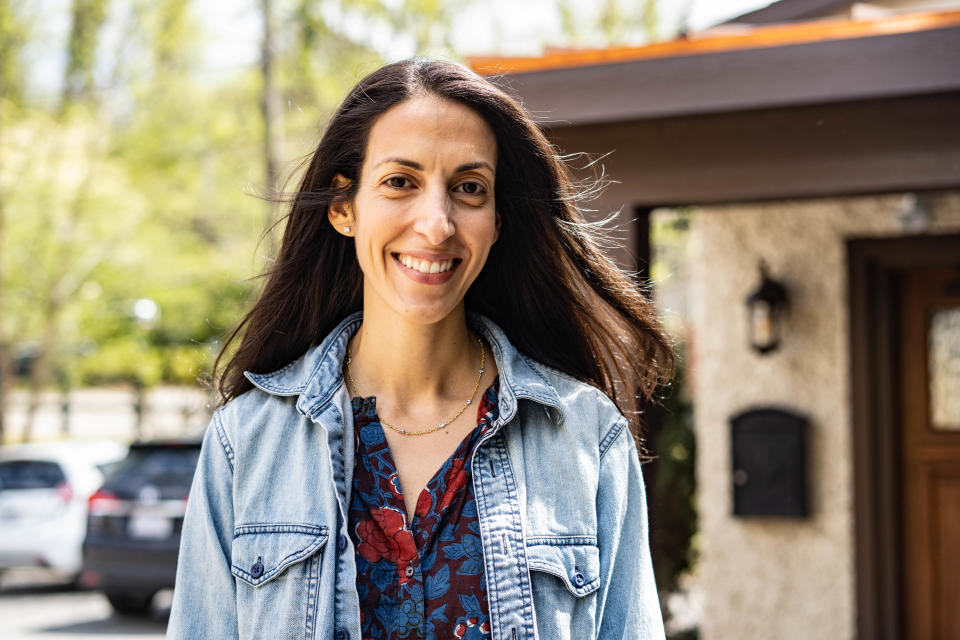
{"x":578,"y":579}
{"x":342,"y":543}
{"x":257,"y":569}
{"x":409,"y":571}
{"x":342,"y":634}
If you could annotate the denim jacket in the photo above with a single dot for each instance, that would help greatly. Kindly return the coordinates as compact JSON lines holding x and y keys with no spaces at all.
{"x":265,"y":551}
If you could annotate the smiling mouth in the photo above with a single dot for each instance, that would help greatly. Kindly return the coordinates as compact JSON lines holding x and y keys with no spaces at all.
{"x":426,"y":266}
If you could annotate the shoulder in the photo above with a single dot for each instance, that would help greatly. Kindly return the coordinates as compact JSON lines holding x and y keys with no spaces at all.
{"x":583,"y":407}
{"x":248,"y":418}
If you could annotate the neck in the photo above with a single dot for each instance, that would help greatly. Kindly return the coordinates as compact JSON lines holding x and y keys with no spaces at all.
{"x":414,"y":364}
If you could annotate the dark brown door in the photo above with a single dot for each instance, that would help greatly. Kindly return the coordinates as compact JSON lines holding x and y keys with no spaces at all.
{"x":930,"y":398}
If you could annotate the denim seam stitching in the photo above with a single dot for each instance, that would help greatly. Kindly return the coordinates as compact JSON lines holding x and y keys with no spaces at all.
{"x":224,"y":441}
{"x":551,"y":568}
{"x":312,"y":596}
{"x":274,"y":374}
{"x":561,"y":541}
{"x":291,"y":558}
{"x":323,"y":358}
{"x":493,"y":602}
{"x":252,"y":528}
{"x":514,"y":501}
{"x":553,"y":401}
{"x":611,"y":437}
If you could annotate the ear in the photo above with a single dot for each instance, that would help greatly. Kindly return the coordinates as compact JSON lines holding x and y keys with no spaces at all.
{"x":340,"y":211}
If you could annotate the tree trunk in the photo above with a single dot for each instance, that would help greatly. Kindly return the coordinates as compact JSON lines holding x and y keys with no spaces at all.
{"x":87,"y":18}
{"x":271,"y":109}
{"x":39,"y":372}
{"x":5,"y":357}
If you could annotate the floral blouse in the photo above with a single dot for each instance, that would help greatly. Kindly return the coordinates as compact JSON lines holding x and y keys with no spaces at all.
{"x":423,"y":579}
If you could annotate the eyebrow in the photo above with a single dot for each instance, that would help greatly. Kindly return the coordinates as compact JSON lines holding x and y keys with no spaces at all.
{"x":419,"y":167}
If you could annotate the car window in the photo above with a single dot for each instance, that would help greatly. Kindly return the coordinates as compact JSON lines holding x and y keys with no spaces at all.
{"x":156,"y":465}
{"x":30,"y":474}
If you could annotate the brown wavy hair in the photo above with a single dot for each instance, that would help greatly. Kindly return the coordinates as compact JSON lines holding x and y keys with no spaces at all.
{"x":546,"y":281}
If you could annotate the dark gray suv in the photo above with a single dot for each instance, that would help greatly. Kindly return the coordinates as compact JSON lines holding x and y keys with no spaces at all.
{"x":134,"y":524}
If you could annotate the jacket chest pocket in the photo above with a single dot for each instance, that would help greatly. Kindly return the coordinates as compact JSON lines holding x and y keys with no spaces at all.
{"x":277,"y":568}
{"x":564,"y":572}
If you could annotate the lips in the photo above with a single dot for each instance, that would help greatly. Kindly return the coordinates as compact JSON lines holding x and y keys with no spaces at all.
{"x":426,"y":265}
{"x":434,"y":270}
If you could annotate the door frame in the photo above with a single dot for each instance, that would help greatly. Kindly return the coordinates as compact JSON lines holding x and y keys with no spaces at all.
{"x":872,"y":266}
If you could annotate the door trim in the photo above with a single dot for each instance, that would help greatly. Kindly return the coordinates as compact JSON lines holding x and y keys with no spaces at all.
{"x":872,"y":264}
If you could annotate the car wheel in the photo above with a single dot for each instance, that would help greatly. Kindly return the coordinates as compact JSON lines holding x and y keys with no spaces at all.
{"x":130,"y":604}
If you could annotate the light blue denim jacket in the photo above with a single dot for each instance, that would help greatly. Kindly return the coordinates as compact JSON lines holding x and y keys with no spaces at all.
{"x":265,"y":551}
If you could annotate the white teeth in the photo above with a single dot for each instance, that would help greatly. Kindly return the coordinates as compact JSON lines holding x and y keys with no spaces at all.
{"x":425,"y":266}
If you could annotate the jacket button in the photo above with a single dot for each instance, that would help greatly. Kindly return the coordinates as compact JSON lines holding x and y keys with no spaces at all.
{"x":257,"y":569}
{"x":409,"y":571}
{"x":342,"y":543}
{"x":578,"y":579}
{"x":343,"y":634}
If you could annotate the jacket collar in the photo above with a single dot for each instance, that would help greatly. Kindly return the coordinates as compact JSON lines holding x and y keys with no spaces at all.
{"x":316,"y":375}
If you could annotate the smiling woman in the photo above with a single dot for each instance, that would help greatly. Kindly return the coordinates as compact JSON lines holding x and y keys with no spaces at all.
{"x":423,"y":430}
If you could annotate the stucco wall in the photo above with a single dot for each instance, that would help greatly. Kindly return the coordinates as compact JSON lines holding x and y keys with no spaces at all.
{"x":765,"y":578}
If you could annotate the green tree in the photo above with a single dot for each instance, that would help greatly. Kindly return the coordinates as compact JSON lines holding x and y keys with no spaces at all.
{"x":140,"y":180}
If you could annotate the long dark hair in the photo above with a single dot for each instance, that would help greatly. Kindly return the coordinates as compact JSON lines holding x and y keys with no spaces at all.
{"x":546,"y":281}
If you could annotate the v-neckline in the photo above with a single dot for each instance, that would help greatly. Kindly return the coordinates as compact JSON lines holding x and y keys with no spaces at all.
{"x":368,"y":406}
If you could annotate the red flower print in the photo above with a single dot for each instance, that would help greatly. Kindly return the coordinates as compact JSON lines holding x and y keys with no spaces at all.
{"x":424,"y":502}
{"x":373,"y":544}
{"x":456,"y":480}
{"x":386,"y":537}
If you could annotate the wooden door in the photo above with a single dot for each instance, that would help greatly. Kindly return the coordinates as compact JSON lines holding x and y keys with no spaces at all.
{"x":930,"y":458}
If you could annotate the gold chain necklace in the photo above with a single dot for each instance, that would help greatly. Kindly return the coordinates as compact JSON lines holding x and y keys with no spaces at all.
{"x":401,"y":430}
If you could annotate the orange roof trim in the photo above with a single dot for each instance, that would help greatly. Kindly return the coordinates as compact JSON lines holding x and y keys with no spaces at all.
{"x":755,"y":37}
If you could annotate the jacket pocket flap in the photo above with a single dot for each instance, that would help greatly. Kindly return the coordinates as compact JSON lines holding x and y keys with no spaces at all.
{"x":574,"y":560}
{"x":260,"y":552}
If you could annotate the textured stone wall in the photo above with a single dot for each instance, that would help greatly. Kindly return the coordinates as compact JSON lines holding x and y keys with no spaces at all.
{"x":767,"y":578}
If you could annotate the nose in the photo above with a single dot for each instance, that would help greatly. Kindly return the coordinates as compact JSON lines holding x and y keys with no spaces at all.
{"x":433,"y":219}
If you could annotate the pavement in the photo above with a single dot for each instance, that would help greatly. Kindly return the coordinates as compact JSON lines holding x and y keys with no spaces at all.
{"x":34,"y":606}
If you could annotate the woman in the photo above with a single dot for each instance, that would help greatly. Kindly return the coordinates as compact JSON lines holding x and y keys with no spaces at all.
{"x":418,"y":438}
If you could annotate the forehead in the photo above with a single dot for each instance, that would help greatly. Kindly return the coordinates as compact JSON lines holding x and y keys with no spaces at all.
{"x":431,"y":130}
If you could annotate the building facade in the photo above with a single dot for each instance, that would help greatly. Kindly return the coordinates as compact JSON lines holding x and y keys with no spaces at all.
{"x":821,"y":138}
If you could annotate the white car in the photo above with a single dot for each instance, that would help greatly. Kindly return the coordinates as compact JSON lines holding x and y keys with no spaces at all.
{"x":44,"y":489}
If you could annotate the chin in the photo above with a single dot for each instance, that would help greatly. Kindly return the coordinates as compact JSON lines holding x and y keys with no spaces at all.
{"x":427,"y":314}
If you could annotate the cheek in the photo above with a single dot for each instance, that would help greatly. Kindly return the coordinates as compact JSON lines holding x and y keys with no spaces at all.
{"x":486,"y":234}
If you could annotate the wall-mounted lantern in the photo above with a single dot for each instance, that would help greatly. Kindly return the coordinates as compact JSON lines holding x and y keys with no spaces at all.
{"x":765,"y":307}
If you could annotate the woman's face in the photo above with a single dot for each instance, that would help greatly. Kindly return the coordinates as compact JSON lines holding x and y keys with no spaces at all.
{"x":423,"y":216}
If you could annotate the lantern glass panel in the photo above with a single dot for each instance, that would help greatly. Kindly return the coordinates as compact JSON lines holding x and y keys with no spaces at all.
{"x":943,"y":366}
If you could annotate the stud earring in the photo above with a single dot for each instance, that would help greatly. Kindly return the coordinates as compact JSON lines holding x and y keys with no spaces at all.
{"x":346,"y":229}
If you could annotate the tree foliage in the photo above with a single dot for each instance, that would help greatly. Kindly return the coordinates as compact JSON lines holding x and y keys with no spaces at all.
{"x":143,"y":180}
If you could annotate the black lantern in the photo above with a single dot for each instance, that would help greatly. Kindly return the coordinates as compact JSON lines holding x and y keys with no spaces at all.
{"x":765,"y":307}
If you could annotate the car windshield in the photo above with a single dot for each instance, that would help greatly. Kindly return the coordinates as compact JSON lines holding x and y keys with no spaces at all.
{"x":30,"y":474}
{"x":156,"y":464}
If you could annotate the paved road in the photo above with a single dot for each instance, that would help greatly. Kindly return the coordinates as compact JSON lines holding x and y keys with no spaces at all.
{"x":33,"y":608}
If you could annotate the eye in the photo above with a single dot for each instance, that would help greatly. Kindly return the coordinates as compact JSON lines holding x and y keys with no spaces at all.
{"x":398,"y":182}
{"x":471,"y":188}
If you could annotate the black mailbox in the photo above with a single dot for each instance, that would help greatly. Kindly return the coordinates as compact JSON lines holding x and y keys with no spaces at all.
{"x":769,"y":460}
